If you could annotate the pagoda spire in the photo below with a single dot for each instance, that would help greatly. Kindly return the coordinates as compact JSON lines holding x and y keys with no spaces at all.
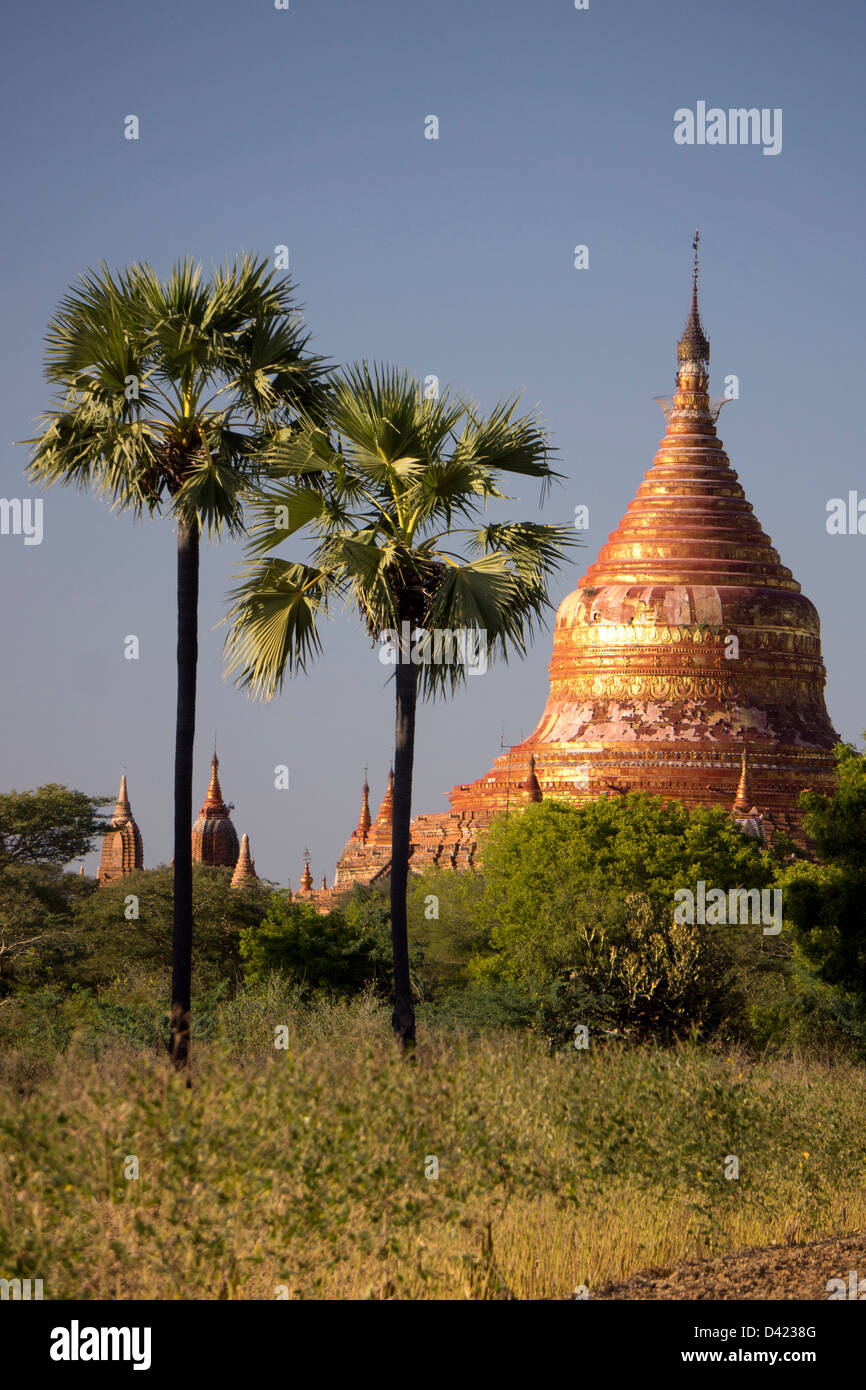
{"x":214,"y":838}
{"x":123,"y":810}
{"x":306,"y":876}
{"x":381,"y":827}
{"x":531,"y":785}
{"x":245,"y":869}
{"x":364,"y":820}
{"x":214,"y":799}
{"x":694,"y":345}
{"x":744,"y":800}
{"x":121,"y":845}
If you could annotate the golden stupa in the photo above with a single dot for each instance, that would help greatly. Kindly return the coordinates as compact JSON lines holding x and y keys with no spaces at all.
{"x":686,"y":663}
{"x":685,"y":645}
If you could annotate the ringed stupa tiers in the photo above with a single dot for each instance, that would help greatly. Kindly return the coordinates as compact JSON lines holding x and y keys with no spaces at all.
{"x":686,"y":663}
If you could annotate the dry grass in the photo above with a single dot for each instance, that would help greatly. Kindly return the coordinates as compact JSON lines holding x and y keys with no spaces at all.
{"x":301,"y":1172}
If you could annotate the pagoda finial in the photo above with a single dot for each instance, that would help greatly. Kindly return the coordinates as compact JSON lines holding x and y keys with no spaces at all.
{"x":306,"y":876}
{"x":365,"y":820}
{"x":214,"y":797}
{"x":744,"y":800}
{"x":694,"y":345}
{"x":531,"y":785}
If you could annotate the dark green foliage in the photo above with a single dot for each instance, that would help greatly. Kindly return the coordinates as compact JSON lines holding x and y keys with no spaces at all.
{"x":445,"y":929}
{"x":537,"y":863}
{"x":114,"y":941}
{"x":58,"y":931}
{"x":579,"y":906}
{"x":36,"y":902}
{"x":826,"y":902}
{"x":51,"y":825}
{"x":338,"y":952}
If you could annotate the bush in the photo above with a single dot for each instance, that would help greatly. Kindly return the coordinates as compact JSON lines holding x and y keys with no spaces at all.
{"x":316,"y":951}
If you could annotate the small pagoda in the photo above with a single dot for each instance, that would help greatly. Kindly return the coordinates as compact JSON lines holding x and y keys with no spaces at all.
{"x":122,"y":851}
{"x":214,"y":838}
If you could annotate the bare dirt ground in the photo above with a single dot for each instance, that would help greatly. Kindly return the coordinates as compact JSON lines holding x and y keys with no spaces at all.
{"x":774,"y":1272}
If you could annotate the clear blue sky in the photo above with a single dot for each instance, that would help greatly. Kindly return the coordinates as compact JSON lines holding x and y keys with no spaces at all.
{"x":306,"y":127}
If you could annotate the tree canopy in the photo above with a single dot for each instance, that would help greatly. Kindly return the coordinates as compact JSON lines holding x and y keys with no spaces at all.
{"x":826,"y":902}
{"x":51,"y":825}
{"x":579,"y":906}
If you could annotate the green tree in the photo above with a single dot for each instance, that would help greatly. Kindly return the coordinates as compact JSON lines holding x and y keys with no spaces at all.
{"x":166,"y":391}
{"x":445,"y":930}
{"x":51,"y":825}
{"x":381,"y":490}
{"x":826,"y":902}
{"x":129,"y":923}
{"x":36,"y":903}
{"x":537,"y":863}
{"x":319,"y":951}
{"x":40,"y":831}
{"x":579,"y":904}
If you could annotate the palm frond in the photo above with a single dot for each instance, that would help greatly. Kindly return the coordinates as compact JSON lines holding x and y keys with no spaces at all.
{"x":273,"y":618}
{"x":379,"y":485}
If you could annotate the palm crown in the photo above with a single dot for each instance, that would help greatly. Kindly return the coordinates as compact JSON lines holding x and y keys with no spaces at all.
{"x":169,"y":387}
{"x":381,"y":490}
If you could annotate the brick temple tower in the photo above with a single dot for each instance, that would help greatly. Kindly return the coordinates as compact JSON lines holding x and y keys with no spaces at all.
{"x":121,"y":845}
{"x":214,"y":838}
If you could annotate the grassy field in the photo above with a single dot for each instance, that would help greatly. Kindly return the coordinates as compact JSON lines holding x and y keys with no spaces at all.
{"x":308,"y":1172}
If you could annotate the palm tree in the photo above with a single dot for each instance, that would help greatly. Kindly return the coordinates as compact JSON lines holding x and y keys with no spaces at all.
{"x":166,"y":391}
{"x":380,"y":489}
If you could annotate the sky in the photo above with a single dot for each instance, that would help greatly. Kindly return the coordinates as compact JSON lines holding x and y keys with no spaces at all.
{"x":305,"y":127}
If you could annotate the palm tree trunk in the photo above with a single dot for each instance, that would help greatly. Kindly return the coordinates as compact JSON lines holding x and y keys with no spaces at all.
{"x":406,"y":677}
{"x":187,"y":663}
